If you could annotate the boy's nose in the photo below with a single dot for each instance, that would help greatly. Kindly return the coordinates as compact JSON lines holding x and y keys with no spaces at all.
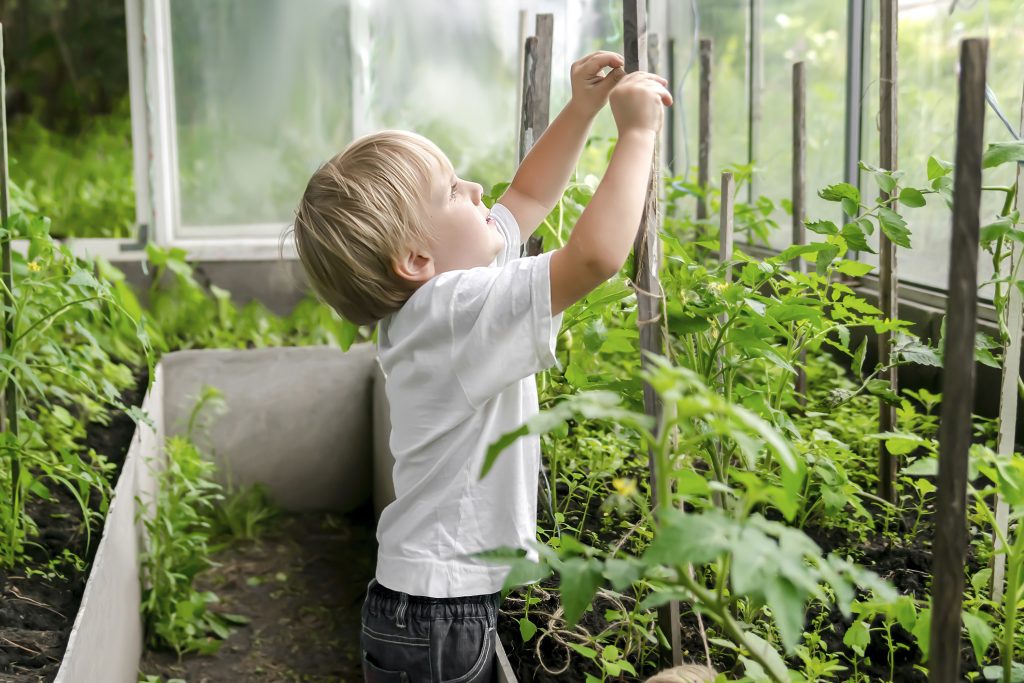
{"x":477,"y":191}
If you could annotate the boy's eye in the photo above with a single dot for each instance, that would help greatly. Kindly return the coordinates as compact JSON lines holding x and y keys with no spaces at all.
{"x":454,"y":190}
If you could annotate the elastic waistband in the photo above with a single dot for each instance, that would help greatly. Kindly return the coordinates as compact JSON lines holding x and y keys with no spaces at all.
{"x":384,"y":600}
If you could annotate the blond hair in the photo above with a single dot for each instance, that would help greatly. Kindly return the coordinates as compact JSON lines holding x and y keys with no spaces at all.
{"x":359,"y":211}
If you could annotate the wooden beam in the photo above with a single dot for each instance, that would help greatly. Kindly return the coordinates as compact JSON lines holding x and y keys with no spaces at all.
{"x":955,"y":428}
{"x":799,"y":179}
{"x":646,"y":261}
{"x":887,"y":277}
{"x":1008,"y":390}
{"x":704,"y":128}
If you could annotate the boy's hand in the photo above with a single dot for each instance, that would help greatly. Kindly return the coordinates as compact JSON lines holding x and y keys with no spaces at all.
{"x":639,"y":101}
{"x":590,"y":87}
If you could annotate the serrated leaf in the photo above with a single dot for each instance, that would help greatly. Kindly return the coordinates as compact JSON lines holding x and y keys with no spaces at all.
{"x":822,"y":227}
{"x":836,"y":193}
{"x":894,"y":227}
{"x":854,"y":268}
{"x":854,"y":235}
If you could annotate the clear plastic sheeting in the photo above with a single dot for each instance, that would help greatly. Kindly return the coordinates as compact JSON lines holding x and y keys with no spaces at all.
{"x":263,"y":92}
{"x":929,"y":38}
{"x":267,"y":90}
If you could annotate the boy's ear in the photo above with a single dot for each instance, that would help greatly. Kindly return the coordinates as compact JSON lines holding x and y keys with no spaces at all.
{"x":414,"y":265}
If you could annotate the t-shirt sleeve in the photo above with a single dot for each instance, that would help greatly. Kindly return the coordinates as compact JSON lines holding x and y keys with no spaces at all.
{"x":502,"y":327}
{"x":509,"y":229}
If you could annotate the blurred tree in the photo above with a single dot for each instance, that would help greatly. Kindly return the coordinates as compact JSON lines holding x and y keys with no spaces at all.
{"x":66,"y":59}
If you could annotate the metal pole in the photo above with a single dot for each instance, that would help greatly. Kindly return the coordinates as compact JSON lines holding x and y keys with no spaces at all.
{"x":955,"y":431}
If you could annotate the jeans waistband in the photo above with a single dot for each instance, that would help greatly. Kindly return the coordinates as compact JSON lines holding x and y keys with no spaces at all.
{"x":383,"y":600}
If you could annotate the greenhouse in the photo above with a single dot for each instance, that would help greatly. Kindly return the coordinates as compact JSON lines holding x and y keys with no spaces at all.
{"x":555,"y":341}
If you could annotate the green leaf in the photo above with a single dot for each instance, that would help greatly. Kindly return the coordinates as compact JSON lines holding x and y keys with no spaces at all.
{"x":857,"y":637}
{"x":588,"y":652}
{"x":854,"y":235}
{"x":527,"y":629}
{"x":621,"y":573}
{"x":885,"y":181}
{"x":922,"y":631}
{"x":894,"y":227}
{"x":836,"y":193}
{"x":858,"y":357}
{"x":825,"y":257}
{"x":938,"y":168}
{"x":883,"y":389}
{"x":854,"y":268}
{"x":995,"y":673}
{"x":610,"y":653}
{"x":850,"y":207}
{"x":979,"y":632}
{"x":787,"y":605}
{"x":579,"y":580}
{"x":911,"y":197}
{"x":822,"y":227}
{"x":1003,"y":152}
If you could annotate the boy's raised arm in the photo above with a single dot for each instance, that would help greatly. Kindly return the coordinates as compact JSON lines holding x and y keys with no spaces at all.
{"x":602,"y":238}
{"x":544,"y":173}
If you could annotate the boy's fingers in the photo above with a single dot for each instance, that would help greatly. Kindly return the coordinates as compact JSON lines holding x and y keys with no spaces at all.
{"x":596,"y":61}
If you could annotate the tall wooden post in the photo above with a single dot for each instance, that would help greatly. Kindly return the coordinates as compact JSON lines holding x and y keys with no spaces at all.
{"x":1008,"y":390}
{"x":887,"y":279}
{"x":799,"y":179}
{"x":646,"y":261}
{"x":704,"y":128}
{"x":9,"y":411}
{"x":536,"y":97}
{"x":950,"y":553}
{"x":670,"y":121}
{"x":755,"y":85}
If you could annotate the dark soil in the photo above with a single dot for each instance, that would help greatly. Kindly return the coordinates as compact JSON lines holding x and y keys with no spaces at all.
{"x":37,"y":612}
{"x":302,"y":587}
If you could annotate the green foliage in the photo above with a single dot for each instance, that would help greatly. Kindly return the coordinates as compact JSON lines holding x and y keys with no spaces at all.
{"x":84,"y":181}
{"x":178,"y":536}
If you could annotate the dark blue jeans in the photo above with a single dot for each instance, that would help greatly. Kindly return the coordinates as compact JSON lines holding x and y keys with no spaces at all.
{"x":412,"y":639}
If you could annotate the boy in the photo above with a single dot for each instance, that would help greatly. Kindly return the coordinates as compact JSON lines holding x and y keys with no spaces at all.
{"x":386,"y":231}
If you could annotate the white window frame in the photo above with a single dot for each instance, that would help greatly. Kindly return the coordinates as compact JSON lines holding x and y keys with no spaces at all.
{"x":155,"y":152}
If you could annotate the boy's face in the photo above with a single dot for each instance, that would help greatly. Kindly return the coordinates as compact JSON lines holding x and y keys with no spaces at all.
{"x":465,"y":234}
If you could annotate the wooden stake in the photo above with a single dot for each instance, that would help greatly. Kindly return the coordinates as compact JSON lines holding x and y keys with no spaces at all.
{"x":536,"y":97}
{"x":726,"y":224}
{"x":950,"y":552}
{"x":704,"y":128}
{"x":646,"y":260}
{"x":1008,"y":392}
{"x":887,"y":279}
{"x":755,"y":69}
{"x":799,"y":195}
{"x":670,"y":118}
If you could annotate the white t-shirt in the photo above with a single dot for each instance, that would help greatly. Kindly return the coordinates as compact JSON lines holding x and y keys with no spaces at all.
{"x":459,"y":359}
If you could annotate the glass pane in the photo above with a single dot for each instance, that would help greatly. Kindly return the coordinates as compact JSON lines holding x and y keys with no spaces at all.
{"x":265,"y":94}
{"x":724,"y":22}
{"x":262,"y":93}
{"x":927,"y":103}
{"x":790,"y":33}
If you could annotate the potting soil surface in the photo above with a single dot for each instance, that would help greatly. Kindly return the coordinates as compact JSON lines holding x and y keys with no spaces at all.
{"x":301,"y":586}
